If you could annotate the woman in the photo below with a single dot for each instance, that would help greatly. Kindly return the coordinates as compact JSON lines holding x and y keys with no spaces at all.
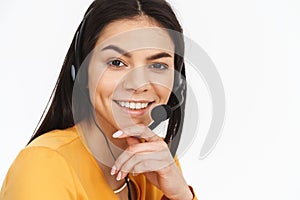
{"x":94,"y":141}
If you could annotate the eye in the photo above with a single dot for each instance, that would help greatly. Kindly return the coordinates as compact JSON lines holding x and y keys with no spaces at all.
{"x":116,"y":63}
{"x":159,"y":66}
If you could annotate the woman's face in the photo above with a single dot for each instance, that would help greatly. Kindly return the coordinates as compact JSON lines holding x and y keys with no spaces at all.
{"x":130,"y":72}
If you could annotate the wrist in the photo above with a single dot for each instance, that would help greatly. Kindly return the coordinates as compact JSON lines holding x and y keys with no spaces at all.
{"x":187,"y":194}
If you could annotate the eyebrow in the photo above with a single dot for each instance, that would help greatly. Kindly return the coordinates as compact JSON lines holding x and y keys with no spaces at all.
{"x":117,"y":49}
{"x":159,"y":55}
{"x":127,"y":54}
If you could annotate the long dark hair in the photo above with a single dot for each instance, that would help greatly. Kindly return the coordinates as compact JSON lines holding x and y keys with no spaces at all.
{"x":59,"y":113}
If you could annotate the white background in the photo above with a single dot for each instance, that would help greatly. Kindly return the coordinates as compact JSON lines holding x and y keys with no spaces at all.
{"x":254,"y":45}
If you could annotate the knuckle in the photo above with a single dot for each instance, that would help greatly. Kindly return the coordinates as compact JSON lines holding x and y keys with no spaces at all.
{"x":161,"y":145}
{"x":132,"y":149}
{"x":125,"y":169}
{"x":137,"y":169}
{"x":117,"y":164}
{"x":146,"y":165}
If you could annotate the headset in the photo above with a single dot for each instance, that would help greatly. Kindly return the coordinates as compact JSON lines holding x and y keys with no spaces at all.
{"x":159,"y":113}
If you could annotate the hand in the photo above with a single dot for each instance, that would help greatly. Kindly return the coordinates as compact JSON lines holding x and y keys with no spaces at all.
{"x":153,"y":159}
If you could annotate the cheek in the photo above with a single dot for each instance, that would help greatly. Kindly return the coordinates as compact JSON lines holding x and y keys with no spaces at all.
{"x":163,"y":93}
{"x":102,"y":87}
{"x":164,"y":90}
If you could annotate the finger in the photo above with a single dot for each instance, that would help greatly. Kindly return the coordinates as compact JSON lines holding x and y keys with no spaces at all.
{"x":128,"y":166}
{"x":144,"y":162}
{"x":150,"y":166}
{"x":137,"y":148}
{"x":139,"y":153}
{"x":139,"y":131}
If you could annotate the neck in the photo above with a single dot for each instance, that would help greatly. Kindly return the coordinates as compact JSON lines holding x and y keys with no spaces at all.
{"x":100,"y":142}
{"x":96,"y":143}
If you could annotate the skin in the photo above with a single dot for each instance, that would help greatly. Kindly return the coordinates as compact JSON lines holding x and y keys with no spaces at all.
{"x":119,"y":76}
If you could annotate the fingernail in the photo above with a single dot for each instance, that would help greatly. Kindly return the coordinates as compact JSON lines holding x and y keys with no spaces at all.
{"x":119,"y":176}
{"x":117,"y":134}
{"x":113,"y":170}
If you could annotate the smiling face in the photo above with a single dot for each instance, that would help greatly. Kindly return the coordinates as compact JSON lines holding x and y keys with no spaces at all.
{"x":130,"y":72}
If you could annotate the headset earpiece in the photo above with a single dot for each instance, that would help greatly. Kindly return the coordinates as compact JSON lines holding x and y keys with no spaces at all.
{"x":73,"y":73}
{"x":77,"y":47}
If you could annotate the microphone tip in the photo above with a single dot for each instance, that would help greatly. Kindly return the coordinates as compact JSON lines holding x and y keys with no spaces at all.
{"x":161,"y":112}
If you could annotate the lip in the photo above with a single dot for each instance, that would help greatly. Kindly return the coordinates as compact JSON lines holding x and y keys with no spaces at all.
{"x":135,"y":100}
{"x":135,"y":112}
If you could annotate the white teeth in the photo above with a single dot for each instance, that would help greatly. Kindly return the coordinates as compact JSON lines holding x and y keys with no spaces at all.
{"x":132,"y":105}
{"x":138,"y":106}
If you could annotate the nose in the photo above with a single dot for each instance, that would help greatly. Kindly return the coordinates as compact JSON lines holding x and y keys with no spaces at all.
{"x":136,"y":80}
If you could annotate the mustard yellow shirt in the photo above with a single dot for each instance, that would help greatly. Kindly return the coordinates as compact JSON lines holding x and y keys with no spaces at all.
{"x":58,"y":166}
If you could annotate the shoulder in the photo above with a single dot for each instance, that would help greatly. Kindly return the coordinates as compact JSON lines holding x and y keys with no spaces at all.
{"x":55,"y":139}
{"x":47,"y":149}
{"x":35,"y":160}
{"x":44,"y":167}
{"x":38,"y":171}
{"x":47,"y":155}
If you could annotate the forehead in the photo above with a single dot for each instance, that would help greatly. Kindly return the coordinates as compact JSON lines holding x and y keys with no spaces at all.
{"x":135,"y":34}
